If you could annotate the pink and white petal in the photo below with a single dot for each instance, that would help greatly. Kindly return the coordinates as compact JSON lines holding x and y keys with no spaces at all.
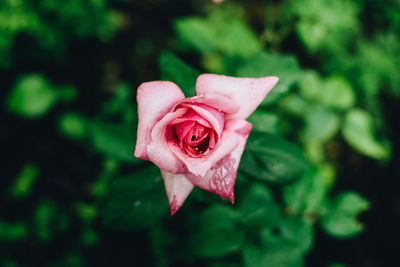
{"x":158,"y":150}
{"x":213,"y":116}
{"x":178,"y":188}
{"x":183,"y":128}
{"x":155,"y":99}
{"x":221,"y":177}
{"x":192,"y":116}
{"x":199,"y":166}
{"x":217,"y":101}
{"x":247,"y":92}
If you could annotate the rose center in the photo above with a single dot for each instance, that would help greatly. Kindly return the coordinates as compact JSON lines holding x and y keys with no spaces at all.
{"x":194,"y":138}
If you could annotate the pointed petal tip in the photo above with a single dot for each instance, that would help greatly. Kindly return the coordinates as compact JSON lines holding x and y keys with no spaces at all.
{"x":275,"y":80}
{"x":271,"y":80}
{"x":174,"y":207}
{"x":173,"y":211}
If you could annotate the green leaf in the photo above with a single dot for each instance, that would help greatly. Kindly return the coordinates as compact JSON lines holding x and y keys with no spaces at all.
{"x":293,"y":234}
{"x":221,"y":31}
{"x":294,"y":104}
{"x":311,"y":85}
{"x":284,"y":244}
{"x":334,"y":92}
{"x":175,"y":70}
{"x":236,"y":38}
{"x":87,"y":212}
{"x":359,"y":133}
{"x":270,"y":158}
{"x":50,"y":220}
{"x":73,"y":125}
{"x":197,"y":33}
{"x":24,"y":182}
{"x":258,"y":207}
{"x":262,"y":64}
{"x":265,"y":122}
{"x":321,"y":124}
{"x":306,"y":194}
{"x":136,"y":201}
{"x":325,"y":25}
{"x":254,"y":256}
{"x":120,"y":101}
{"x":115,"y":140}
{"x":15,"y":231}
{"x":340,"y":220}
{"x":216,"y":233}
{"x":377,"y":63}
{"x":337,"y":93}
{"x":32,"y":96}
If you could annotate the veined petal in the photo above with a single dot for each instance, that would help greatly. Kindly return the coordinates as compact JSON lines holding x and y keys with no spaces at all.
{"x":220,"y":178}
{"x":247,"y":92}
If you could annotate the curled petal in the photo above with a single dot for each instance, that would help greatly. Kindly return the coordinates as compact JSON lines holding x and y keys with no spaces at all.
{"x":220,"y":178}
{"x":213,"y":116}
{"x":191,"y":115}
{"x":158,"y":150}
{"x":178,"y":187}
{"x":183,"y":128}
{"x":217,"y":101}
{"x":247,"y":92}
{"x":155,"y":99}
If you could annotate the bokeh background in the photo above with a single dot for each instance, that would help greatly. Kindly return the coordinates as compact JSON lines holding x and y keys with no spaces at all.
{"x":318,"y":184}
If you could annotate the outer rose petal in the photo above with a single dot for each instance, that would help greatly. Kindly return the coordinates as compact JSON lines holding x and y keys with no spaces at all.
{"x":220,"y":102}
{"x":220,"y":179}
{"x":154,"y":99}
{"x":158,"y":150}
{"x":247,"y":92}
{"x":178,"y":188}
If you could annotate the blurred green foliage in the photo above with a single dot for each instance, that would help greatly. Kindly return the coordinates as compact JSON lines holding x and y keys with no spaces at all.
{"x":52,"y":24}
{"x":76,"y":190}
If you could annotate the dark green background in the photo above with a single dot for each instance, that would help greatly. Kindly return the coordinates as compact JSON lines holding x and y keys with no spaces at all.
{"x":318,"y":181}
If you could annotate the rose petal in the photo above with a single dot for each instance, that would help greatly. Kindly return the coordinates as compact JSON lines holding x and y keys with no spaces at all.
{"x":191,"y":116}
{"x":178,"y":187}
{"x":220,"y":179}
{"x":217,"y":101}
{"x":199,"y":166}
{"x":213,"y":116}
{"x":183,"y":128}
{"x":247,"y":92}
{"x":155,"y":99}
{"x":158,"y":150}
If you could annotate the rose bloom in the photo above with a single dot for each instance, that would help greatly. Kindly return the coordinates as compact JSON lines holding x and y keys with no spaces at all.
{"x":197,"y":141}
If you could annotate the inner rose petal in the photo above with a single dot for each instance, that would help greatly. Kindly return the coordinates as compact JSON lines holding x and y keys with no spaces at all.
{"x":193,"y":138}
{"x":182,"y":129}
{"x":214,"y":117}
{"x":191,"y":115}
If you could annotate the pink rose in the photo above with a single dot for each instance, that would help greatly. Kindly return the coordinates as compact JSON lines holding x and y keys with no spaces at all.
{"x":197,"y":140}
